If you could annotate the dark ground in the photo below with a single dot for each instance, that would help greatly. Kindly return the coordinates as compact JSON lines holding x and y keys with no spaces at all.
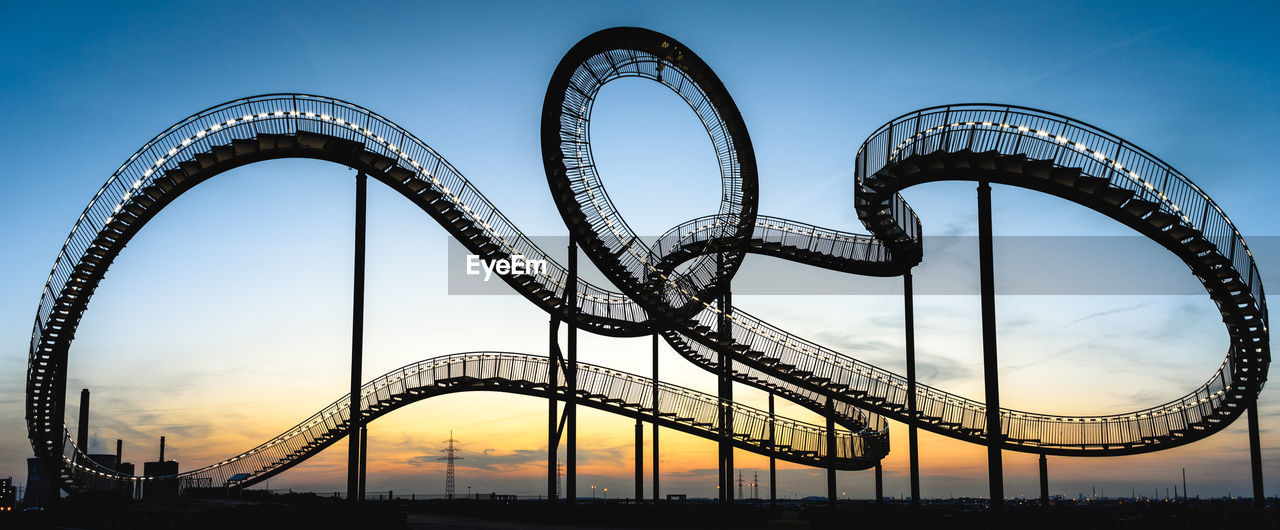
{"x":304,"y":511}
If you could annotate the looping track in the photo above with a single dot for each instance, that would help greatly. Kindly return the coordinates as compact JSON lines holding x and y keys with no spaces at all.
{"x":1009,"y":145}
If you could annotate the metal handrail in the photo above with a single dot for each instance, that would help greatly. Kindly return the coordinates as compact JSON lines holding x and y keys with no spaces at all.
{"x":389,"y":391}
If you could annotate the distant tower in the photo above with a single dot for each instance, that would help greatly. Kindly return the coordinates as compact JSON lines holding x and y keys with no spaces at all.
{"x":559,"y":473}
{"x":755,"y":484}
{"x":739,"y":483}
{"x":451,"y":453}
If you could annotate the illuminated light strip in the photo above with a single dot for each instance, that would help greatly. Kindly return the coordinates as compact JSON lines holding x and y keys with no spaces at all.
{"x":1099,"y":155}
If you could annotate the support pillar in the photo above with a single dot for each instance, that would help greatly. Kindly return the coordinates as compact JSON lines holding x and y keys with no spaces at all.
{"x":773,"y":462}
{"x":991,"y":372}
{"x":879,"y":484}
{"x":552,"y":383}
{"x":639,"y":461}
{"x":913,"y":455}
{"x":725,"y":335}
{"x":1044,"y":480}
{"x":831,"y":453}
{"x":1255,"y":453}
{"x":357,"y":345}
{"x":655,"y":418}
{"x":364,"y":457}
{"x":571,"y":377}
{"x":553,"y":441}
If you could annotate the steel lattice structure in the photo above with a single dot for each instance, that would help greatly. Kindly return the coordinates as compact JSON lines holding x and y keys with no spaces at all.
{"x":1010,"y":145}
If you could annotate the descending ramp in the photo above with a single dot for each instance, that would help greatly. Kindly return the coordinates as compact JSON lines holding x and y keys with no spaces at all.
{"x":609,"y":390}
{"x":670,"y":287}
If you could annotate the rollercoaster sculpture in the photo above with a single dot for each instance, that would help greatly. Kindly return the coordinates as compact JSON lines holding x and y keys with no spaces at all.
{"x":679,"y":287}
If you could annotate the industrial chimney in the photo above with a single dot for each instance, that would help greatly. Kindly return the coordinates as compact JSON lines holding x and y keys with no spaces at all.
{"x":82,"y":436}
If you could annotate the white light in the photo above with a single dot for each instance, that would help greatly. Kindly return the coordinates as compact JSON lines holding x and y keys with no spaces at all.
{"x":247,"y":117}
{"x":279,"y":113}
{"x":215,"y":127}
{"x":1042,"y":133}
{"x":231,"y":122}
{"x":324,"y":117}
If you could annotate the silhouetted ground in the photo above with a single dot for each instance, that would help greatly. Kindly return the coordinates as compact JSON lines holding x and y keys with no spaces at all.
{"x":305,"y":511}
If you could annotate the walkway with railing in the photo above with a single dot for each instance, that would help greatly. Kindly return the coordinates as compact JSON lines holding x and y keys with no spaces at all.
{"x":1008,"y":145}
{"x":609,"y":390}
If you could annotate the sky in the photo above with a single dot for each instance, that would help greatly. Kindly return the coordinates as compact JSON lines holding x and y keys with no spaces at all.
{"x":227,"y":319}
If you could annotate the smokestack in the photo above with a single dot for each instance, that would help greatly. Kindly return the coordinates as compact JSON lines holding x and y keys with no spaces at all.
{"x":119,"y":451}
{"x":82,"y":436}
{"x":162,"y":449}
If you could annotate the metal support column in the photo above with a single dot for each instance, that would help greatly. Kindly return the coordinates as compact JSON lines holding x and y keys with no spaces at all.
{"x":639,"y":461}
{"x":773,"y":462}
{"x":1044,"y":480}
{"x":364,"y":457}
{"x":990,"y":368}
{"x":1255,"y":453}
{"x":655,"y":418}
{"x":831,"y":452}
{"x":553,"y":441}
{"x":879,"y":483}
{"x":357,"y":345}
{"x":725,"y":336}
{"x":571,"y":377}
{"x":913,"y":455}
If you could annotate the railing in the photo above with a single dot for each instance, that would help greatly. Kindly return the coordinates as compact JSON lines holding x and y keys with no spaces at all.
{"x":738,"y":200}
{"x":1018,"y":131}
{"x":856,"y":248}
{"x":1042,"y":135}
{"x":597,"y":386}
{"x":965,"y":416}
{"x":847,"y":415}
{"x":288,"y":114}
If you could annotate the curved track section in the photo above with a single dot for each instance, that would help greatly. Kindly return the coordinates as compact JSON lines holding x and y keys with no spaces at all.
{"x":613,"y":391}
{"x":1054,"y":154}
{"x":299,"y":126}
{"x":1009,"y":145}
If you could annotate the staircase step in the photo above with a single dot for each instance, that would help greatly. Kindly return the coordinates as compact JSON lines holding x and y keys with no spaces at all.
{"x":1139,"y":207}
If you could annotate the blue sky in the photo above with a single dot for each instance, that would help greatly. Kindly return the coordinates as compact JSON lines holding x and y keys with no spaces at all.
{"x":238,"y":294}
